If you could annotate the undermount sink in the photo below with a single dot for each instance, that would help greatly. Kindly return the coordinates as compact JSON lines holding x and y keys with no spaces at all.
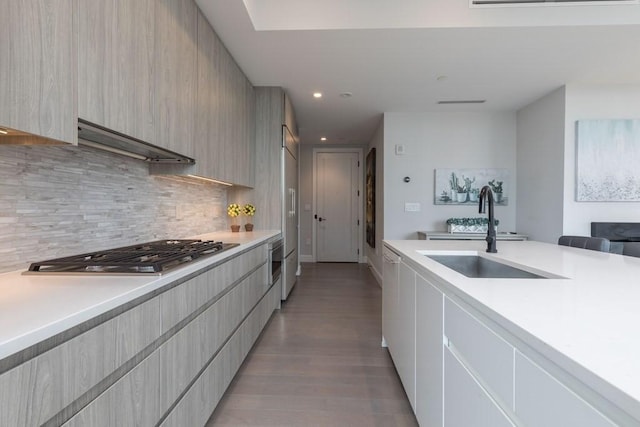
{"x":478,"y":267}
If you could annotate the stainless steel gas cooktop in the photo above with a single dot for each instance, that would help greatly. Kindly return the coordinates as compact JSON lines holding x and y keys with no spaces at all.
{"x":146,"y":258}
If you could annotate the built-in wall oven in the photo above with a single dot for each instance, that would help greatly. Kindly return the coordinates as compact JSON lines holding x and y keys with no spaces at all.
{"x":276,"y":255}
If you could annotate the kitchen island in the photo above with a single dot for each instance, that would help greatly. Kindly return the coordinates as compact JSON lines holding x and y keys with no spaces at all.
{"x":560,"y":350}
{"x":79,"y":349}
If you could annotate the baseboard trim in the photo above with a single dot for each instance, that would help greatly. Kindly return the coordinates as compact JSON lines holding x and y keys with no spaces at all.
{"x":307,"y":258}
{"x":376,"y":274}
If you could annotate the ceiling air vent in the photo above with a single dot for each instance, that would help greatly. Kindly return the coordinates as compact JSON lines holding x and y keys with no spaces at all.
{"x":479,"y":3}
{"x":464,"y":101}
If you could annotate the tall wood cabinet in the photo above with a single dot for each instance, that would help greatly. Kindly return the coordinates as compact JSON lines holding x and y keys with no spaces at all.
{"x":38,"y":69}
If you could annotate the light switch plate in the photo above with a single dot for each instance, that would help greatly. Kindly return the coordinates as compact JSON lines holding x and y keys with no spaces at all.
{"x":412,"y":207}
{"x":399,"y":149}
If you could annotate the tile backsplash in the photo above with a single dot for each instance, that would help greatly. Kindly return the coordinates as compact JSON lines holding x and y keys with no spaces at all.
{"x":61,"y":200}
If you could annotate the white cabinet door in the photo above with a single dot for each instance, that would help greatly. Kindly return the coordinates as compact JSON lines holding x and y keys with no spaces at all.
{"x":466,"y":403}
{"x":429,"y":348}
{"x":405,"y":356}
{"x":541,"y":400}
{"x":390,"y":267}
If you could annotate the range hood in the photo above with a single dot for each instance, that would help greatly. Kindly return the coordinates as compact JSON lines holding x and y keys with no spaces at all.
{"x":92,"y":135}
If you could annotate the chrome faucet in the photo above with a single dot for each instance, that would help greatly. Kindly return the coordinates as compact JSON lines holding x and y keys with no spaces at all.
{"x":491,"y":229}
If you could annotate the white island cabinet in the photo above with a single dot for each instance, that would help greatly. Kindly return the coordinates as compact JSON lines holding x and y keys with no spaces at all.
{"x":514,"y":352}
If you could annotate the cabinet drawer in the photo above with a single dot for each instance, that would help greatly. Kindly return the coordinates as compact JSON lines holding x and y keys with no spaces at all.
{"x":485,"y":353}
{"x":541,"y":400}
{"x":131,"y":401}
{"x":466,"y":403}
{"x":35,"y":391}
{"x":198,"y":403}
{"x":184,"y":299}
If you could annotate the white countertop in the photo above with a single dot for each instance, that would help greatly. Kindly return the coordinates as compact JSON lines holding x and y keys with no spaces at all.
{"x":36,"y":307}
{"x":586,"y":323}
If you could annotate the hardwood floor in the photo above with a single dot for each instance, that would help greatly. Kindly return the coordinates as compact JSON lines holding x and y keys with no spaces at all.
{"x":319,"y":361}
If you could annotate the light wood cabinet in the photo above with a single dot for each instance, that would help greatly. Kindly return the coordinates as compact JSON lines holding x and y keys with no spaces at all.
{"x":541,"y":400}
{"x":225,"y":110}
{"x":429,"y":348}
{"x":116,"y":66}
{"x":37,"y":390}
{"x":199,"y":401}
{"x":175,"y":75}
{"x":132,"y":401}
{"x":139,"y":364}
{"x":38,"y":69}
{"x":221,"y":113}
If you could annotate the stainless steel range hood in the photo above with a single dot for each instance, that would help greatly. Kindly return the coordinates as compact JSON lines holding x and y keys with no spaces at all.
{"x":96,"y":136}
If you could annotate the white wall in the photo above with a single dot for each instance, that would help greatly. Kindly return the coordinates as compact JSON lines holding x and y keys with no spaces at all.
{"x":442,"y":140}
{"x":540,"y":167}
{"x":595,"y":102}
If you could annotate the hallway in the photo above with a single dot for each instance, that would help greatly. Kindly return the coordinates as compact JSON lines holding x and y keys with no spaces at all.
{"x":319,"y":360}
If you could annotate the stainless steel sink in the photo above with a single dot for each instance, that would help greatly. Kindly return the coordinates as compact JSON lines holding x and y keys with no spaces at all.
{"x":482,"y":268}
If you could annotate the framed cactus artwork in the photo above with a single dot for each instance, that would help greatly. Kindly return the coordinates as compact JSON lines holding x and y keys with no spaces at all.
{"x":462,"y":186}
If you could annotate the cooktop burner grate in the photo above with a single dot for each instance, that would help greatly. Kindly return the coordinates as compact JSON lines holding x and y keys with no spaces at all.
{"x":152,"y":257}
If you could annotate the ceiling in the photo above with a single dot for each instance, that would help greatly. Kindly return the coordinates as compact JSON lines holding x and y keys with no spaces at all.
{"x":406,"y":55}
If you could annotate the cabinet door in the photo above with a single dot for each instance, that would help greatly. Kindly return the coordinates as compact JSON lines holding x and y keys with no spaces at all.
{"x":390,"y":268}
{"x":541,"y":400}
{"x":116,"y":45}
{"x":175,"y":75}
{"x":466,"y":403}
{"x":405,"y":355}
{"x":38,"y":84}
{"x":429,"y":348}
{"x":208,"y":150}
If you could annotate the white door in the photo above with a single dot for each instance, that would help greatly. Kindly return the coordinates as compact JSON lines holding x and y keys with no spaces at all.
{"x":337,"y":206}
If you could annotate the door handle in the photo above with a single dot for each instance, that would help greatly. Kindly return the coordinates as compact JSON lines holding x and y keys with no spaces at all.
{"x":321,"y":219}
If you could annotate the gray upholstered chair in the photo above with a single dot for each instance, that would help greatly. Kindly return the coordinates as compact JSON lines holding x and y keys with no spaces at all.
{"x":631,"y":249}
{"x":592,"y":243}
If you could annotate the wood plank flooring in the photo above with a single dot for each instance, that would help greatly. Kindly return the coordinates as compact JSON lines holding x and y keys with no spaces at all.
{"x":319,"y":361}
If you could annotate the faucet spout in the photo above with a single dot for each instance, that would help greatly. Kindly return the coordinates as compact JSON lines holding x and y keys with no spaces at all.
{"x":487,"y":194}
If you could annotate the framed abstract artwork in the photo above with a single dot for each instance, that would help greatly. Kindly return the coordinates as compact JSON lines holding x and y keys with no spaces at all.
{"x":371,"y":198}
{"x":607,"y":159}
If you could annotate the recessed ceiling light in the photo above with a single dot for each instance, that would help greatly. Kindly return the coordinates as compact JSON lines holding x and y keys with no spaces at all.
{"x":346,"y":94}
{"x":317,"y":95}
{"x":324,"y":138}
